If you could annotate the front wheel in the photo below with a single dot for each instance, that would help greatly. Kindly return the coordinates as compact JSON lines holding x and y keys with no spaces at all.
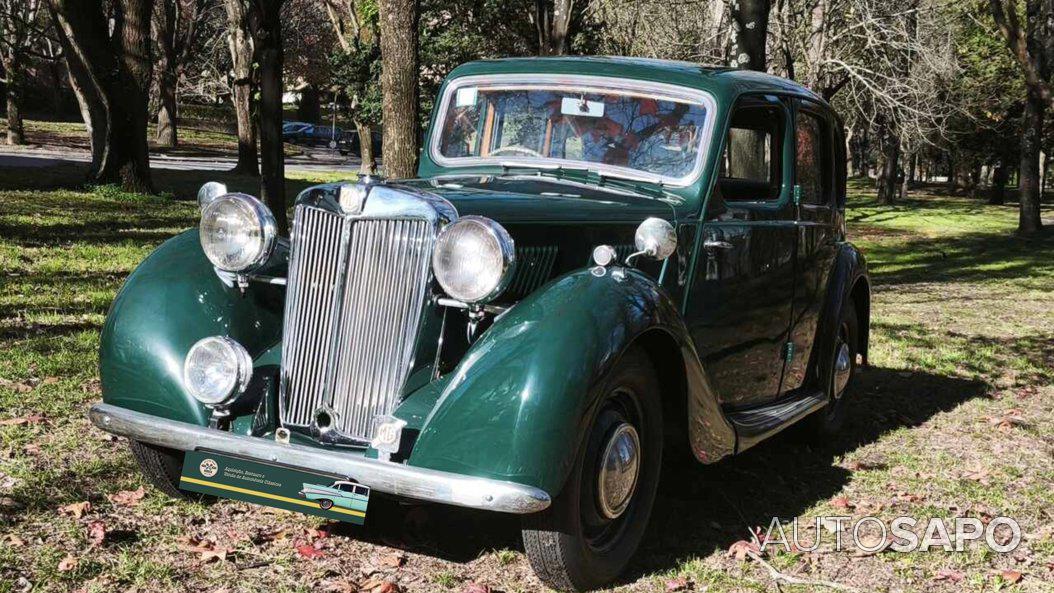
{"x":588,"y":535}
{"x":325,"y":504}
{"x":162,"y":467}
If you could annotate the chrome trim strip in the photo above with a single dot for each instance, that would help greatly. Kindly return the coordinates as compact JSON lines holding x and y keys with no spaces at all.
{"x":391,"y":478}
{"x":599,"y":84}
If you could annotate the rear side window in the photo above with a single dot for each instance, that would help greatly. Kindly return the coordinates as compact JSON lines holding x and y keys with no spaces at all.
{"x":751,"y":164}
{"x":812,"y":169}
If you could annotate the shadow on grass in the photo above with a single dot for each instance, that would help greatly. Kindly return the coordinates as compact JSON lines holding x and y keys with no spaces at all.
{"x":701,"y":509}
{"x":972,"y":257}
{"x":26,"y":175}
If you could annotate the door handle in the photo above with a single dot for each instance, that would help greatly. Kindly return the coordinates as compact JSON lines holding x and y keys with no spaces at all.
{"x":711,"y":245}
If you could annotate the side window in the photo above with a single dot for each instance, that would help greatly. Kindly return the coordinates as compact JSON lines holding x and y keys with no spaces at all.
{"x":751,"y":167}
{"x":812,"y":169}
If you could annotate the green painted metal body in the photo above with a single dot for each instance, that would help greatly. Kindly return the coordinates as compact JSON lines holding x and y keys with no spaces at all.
{"x":511,"y":404}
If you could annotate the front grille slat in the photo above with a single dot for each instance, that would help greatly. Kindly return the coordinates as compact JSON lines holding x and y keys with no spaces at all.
{"x":349,"y":345}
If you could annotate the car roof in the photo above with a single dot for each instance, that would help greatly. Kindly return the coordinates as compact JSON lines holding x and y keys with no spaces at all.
{"x":723,"y":82}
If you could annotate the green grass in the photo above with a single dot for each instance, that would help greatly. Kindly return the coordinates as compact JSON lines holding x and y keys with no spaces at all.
{"x":962,"y":335}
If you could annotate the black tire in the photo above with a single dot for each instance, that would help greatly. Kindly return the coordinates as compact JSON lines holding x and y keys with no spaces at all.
{"x":325,"y":504}
{"x":572,"y":546}
{"x":830,"y":419}
{"x":162,"y":467}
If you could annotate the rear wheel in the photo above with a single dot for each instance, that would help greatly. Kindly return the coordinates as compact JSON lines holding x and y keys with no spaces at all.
{"x":588,"y":535}
{"x":840,"y":366}
{"x":162,"y":467}
{"x":325,"y":504}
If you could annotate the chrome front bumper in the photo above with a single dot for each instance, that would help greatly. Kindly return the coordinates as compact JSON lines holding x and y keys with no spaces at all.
{"x":383,"y":476}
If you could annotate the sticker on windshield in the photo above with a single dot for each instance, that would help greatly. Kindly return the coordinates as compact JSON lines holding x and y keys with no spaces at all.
{"x":466,"y":97}
{"x":579,"y":106}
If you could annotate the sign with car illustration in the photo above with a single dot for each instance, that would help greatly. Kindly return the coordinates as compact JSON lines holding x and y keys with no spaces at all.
{"x":602,"y":261}
{"x":275,"y":486}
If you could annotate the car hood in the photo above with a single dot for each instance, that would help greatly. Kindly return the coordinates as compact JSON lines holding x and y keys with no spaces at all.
{"x":531,"y":198}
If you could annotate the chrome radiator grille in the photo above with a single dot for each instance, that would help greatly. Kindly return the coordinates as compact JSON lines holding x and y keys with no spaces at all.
{"x":353,"y":306}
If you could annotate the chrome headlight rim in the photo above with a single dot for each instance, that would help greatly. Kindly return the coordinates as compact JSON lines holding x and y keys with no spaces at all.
{"x":243,"y":366}
{"x":505,"y":244}
{"x":265,"y":221}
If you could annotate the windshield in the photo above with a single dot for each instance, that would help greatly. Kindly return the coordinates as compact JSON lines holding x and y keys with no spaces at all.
{"x":575,"y":125}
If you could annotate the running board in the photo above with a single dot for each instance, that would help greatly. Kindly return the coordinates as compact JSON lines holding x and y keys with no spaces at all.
{"x":755,"y":424}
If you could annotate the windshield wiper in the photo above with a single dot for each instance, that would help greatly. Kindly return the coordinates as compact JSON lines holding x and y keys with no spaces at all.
{"x":545,"y":167}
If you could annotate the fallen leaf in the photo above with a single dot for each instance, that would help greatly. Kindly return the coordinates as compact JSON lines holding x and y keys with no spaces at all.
{"x":68,"y":563}
{"x":678,"y":584}
{"x":50,"y":380}
{"x":309,"y":551}
{"x":77,"y":509}
{"x":320,"y":533}
{"x":13,"y":540}
{"x":1011,"y":576}
{"x":96,"y":532}
{"x":16,"y":386}
{"x":128,"y":498}
{"x":949,"y":574}
{"x":841,"y":502}
{"x":31,"y":419}
{"x":475,"y":588}
{"x":741,"y":548}
{"x":393,"y":560}
{"x":379,"y":586}
{"x":206,"y":551}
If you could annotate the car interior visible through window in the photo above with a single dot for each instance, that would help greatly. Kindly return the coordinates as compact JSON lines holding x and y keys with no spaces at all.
{"x":652,"y":134}
{"x":813,"y":163}
{"x":751,"y":163}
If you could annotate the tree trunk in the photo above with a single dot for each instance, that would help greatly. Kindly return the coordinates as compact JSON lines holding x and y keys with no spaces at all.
{"x":116,"y":72}
{"x":553,"y":25}
{"x":751,"y":19}
{"x":1031,"y":136}
{"x":398,"y":20}
{"x":309,"y":108}
{"x":240,"y":43}
{"x":92,"y":108}
{"x":134,"y":94}
{"x":369,"y":161}
{"x":168,"y":76}
{"x":997,"y":197}
{"x":887,"y":179}
{"x":16,"y":133}
{"x":268,"y":37}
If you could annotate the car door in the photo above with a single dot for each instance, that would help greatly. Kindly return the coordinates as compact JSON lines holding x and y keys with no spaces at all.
{"x":816,"y":179}
{"x":739,"y":306}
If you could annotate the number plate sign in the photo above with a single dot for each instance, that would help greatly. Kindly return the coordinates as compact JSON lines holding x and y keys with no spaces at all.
{"x":275,"y":486}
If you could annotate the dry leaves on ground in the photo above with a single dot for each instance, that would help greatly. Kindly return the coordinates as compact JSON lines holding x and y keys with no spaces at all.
{"x":128,"y":498}
{"x":76,"y":509}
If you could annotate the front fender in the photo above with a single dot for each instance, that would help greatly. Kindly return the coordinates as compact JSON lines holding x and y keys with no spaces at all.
{"x":515,"y":407}
{"x":173,"y":299}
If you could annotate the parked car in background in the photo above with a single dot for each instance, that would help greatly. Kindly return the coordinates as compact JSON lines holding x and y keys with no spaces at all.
{"x":603,"y":262}
{"x":293,"y":127}
{"x":349,"y":143}
{"x":314,"y":135}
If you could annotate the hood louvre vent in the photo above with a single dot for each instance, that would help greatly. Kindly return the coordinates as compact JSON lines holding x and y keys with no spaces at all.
{"x":534,"y":267}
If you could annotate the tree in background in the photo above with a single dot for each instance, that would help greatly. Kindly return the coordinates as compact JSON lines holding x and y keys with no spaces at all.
{"x":750,"y":34}
{"x":109,"y":58}
{"x":1032,"y":46}
{"x":399,"y":84}
{"x":176,"y":27}
{"x":308,"y":41}
{"x":20,"y":26}
{"x":243,"y":58}
{"x":357,"y":68}
{"x":266,"y":28}
{"x":553,"y":21}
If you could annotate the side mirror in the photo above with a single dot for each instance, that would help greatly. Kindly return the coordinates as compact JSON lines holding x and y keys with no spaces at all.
{"x":209,"y":192}
{"x":655,"y":238}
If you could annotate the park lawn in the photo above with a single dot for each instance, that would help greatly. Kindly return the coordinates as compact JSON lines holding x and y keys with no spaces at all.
{"x":952,"y":418}
{"x":192,"y":141}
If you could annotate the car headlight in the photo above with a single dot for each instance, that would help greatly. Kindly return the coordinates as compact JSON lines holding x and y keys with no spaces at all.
{"x":216,"y":370}
{"x":237,"y":232}
{"x":473,"y":259}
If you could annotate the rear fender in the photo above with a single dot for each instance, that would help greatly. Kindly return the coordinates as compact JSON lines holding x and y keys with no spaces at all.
{"x":517,"y":405}
{"x":848,"y":279}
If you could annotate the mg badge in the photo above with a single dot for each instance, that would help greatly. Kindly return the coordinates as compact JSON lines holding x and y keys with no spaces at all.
{"x":387,"y":436}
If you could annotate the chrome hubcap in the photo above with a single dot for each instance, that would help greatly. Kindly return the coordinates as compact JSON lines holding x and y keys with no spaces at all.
{"x":842,"y":368}
{"x":619,"y":466}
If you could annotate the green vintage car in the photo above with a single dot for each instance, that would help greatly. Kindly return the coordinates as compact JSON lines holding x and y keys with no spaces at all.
{"x":603,"y":262}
